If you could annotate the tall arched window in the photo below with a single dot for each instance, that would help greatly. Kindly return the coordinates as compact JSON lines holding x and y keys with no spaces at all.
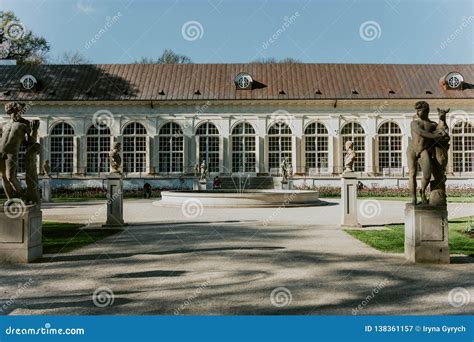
{"x":134,"y":148}
{"x":463,"y":147}
{"x":243,"y":148}
{"x":316,"y":146}
{"x":171,"y":148}
{"x":208,"y":140}
{"x":352,"y":131}
{"x":62,"y":148}
{"x":279,"y":144}
{"x":389,"y":147}
{"x":98,"y":148}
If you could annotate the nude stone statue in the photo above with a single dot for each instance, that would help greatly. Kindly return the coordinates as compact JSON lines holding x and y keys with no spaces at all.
{"x":203,"y":171}
{"x":420,"y":150}
{"x":440,"y":161}
{"x":13,"y":134}
{"x":46,"y":168}
{"x":350,"y":157}
{"x":284,"y":170}
{"x":115,"y":158}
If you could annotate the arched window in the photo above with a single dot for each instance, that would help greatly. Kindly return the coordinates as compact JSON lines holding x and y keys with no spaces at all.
{"x":279,"y":144}
{"x":171,"y":148}
{"x":463,"y":147}
{"x":243,"y":148}
{"x":208,"y":140}
{"x":389,"y":147}
{"x":62,"y":148}
{"x":316,"y":146}
{"x":98,"y":148}
{"x":352,"y":131}
{"x":134,"y":148}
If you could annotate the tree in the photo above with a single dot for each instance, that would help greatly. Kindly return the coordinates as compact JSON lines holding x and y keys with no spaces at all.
{"x":19,"y":43}
{"x":271,"y":60}
{"x":70,"y":57}
{"x":167,"y":57}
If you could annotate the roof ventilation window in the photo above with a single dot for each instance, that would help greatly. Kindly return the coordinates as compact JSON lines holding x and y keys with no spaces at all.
{"x":428,"y":92}
{"x":281,"y":92}
{"x":318,"y":92}
{"x":454,"y":80}
{"x":162,"y":92}
{"x":391,"y":91}
{"x":28,"y":82}
{"x":243,"y":80}
{"x":354,"y":92}
{"x":197,"y":92}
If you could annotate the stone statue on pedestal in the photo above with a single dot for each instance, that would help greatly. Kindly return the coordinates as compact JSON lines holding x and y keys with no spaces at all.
{"x":350,"y":157}
{"x":284,"y":170}
{"x":196,"y":170}
{"x":428,"y":147}
{"x":426,"y":225}
{"x":46,"y":169}
{"x":203,"y":172}
{"x":115,"y":158}
{"x":13,"y":133}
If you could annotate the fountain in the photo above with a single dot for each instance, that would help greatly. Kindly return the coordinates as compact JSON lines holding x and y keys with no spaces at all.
{"x":246,"y":192}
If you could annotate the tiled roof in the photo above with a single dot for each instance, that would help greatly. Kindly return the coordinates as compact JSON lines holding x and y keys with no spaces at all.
{"x":215,"y":81}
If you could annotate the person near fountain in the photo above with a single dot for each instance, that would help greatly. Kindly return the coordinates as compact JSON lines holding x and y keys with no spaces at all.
{"x":217,"y":184}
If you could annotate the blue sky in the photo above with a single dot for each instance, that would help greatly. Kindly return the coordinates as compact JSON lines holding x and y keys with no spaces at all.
{"x":325,"y":31}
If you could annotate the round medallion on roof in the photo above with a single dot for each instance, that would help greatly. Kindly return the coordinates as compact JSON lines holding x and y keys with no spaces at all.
{"x":243,"y":80}
{"x":454,"y":80}
{"x":28,"y":82}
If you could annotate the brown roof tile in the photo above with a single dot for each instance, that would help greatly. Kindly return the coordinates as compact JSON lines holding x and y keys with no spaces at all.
{"x":215,"y":81}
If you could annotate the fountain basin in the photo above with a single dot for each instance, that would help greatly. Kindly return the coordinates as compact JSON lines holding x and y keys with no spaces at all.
{"x":245,"y":198}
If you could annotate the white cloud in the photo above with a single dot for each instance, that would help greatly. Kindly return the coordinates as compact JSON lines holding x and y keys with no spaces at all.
{"x":84,"y":7}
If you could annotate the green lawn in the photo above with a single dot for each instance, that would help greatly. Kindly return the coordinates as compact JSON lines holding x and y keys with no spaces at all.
{"x":61,"y":237}
{"x":460,"y":199}
{"x":393,"y":239}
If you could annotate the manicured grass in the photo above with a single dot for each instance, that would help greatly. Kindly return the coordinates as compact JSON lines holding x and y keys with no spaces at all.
{"x":59,"y":237}
{"x":393,"y":239}
{"x":460,"y":199}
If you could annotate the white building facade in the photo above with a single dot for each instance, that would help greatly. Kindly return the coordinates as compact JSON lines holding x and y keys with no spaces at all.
{"x":166,"y":139}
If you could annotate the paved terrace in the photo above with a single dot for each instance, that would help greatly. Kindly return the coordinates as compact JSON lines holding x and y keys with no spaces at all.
{"x":228,"y":261}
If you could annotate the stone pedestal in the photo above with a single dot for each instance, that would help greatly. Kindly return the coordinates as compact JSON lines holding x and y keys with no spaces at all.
{"x":426,"y":234}
{"x":46,"y":190}
{"x":349,"y":217}
{"x":285,"y":185}
{"x":195,"y":184}
{"x":20,"y":233}
{"x":114,"y":200}
{"x":202,"y":185}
